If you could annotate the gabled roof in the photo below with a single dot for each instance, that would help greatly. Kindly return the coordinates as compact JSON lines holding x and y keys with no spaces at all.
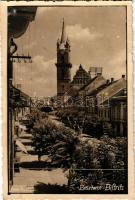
{"x":97,"y":90}
{"x":110,"y":91}
{"x":93,"y":84}
{"x":82,"y":88}
{"x":81,"y":73}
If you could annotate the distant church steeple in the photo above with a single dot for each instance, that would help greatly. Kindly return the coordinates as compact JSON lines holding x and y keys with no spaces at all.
{"x":63,"y":63}
{"x":63,"y":34}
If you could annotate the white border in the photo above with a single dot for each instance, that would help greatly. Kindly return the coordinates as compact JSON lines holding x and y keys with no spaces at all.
{"x":130,"y":95}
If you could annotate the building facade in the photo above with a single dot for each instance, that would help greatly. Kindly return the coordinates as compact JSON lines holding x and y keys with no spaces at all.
{"x":81,"y":78}
{"x":112,"y":108}
{"x":118,"y":115}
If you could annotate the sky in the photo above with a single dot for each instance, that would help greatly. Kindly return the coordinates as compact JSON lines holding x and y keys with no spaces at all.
{"x":97,"y":36}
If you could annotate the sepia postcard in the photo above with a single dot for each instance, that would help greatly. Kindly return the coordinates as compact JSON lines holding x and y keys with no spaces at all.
{"x":67,"y":82}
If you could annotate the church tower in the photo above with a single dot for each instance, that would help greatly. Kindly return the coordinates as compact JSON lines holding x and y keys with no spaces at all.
{"x":63,"y":63}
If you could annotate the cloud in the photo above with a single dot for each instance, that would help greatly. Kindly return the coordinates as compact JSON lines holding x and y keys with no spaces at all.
{"x":30,"y":46}
{"x":77,"y":32}
{"x":39,"y":77}
{"x":117,"y":65}
{"x":45,"y":75}
{"x":94,"y":42}
{"x":120,"y":58}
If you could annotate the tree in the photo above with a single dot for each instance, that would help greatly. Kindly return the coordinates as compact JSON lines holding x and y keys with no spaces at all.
{"x":62,"y":153}
{"x":43,"y":136}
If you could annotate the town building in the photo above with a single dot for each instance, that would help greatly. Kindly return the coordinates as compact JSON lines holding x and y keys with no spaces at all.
{"x":111,"y":107}
{"x":18,"y":22}
{"x":81,"y":78}
{"x":91,"y":101}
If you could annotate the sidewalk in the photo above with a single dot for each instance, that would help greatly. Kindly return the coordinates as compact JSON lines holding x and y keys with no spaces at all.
{"x":32,"y":173}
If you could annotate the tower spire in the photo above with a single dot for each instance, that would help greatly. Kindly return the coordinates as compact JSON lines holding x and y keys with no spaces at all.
{"x":63,"y":34}
{"x":63,"y":64}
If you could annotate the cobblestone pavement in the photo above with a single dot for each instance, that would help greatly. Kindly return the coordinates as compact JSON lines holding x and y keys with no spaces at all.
{"x":33,"y":173}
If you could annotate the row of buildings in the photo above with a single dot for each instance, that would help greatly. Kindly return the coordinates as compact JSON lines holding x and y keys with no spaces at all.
{"x":89,"y":93}
{"x":18,"y":102}
{"x":101,"y":101}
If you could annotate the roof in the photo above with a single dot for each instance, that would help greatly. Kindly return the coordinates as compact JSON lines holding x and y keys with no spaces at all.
{"x":112,"y":90}
{"x":73,"y":90}
{"x":19,"y":18}
{"x":16,"y":94}
{"x":97,"y":90}
{"x":93,"y":84}
{"x":82,"y":88}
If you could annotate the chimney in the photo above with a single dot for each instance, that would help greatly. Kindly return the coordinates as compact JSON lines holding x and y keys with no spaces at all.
{"x":112,"y":79}
{"x":123,"y":76}
{"x":107,"y":81}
